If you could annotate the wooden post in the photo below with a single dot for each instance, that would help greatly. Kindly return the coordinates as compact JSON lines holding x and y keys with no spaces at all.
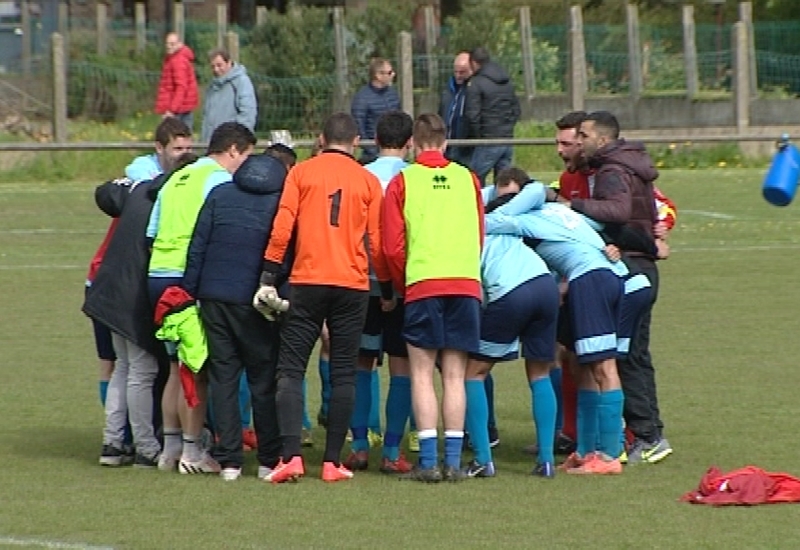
{"x":746,"y":17}
{"x":63,"y":18}
{"x":261,"y":15}
{"x":577,"y":60}
{"x":690,"y":52}
{"x":232,"y":45}
{"x":406,"y":61}
{"x":141,"y":27}
{"x":179,"y":19}
{"x":27,"y":37}
{"x":741,"y":76}
{"x":634,"y":52}
{"x":59,"y":88}
{"x":526,"y":39}
{"x":102,"y":28}
{"x":340,"y":52}
{"x":430,"y":47}
{"x":222,"y":24}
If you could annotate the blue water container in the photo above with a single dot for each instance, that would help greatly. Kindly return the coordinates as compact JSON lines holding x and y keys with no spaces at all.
{"x":780,"y":183}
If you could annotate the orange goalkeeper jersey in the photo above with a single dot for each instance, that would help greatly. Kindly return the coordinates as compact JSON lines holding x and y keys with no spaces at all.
{"x":331,"y":202}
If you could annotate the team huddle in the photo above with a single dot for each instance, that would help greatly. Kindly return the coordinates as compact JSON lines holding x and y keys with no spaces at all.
{"x":219,"y":274}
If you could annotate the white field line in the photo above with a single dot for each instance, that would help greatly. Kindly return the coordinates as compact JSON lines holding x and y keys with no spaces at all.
{"x":707,"y":214}
{"x":45,"y":543}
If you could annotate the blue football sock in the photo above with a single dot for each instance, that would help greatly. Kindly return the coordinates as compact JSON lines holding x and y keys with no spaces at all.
{"x":428,"y":449}
{"x":103,"y":384}
{"x":555,"y":380}
{"x":306,"y":418}
{"x":398,"y":407}
{"x":588,"y":405}
{"x":325,"y":384}
{"x":244,"y":401}
{"x":477,"y":420}
{"x":453,"y":441}
{"x":375,"y":403}
{"x":544,"y":416}
{"x":488,"y":384}
{"x":358,"y":422}
{"x":609,"y":420}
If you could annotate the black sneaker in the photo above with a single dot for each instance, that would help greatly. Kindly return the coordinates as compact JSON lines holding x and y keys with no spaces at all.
{"x":112,"y":456}
{"x":564,"y":445}
{"x":424,"y":475}
{"x":476,"y":469}
{"x":144,"y":462}
{"x":494,"y":437}
{"x":453,"y":474}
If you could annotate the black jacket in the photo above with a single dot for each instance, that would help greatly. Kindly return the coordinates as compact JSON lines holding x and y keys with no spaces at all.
{"x":118,"y":297}
{"x":491,"y":108}
{"x":226,"y":253}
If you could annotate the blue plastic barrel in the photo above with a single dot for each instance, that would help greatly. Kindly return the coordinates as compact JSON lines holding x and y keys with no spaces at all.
{"x":780,"y":183}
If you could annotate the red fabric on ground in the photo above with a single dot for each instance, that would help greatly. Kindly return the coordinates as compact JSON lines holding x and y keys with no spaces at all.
{"x":746,"y":486}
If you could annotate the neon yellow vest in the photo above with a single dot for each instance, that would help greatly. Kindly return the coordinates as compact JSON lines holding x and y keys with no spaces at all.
{"x":181,"y":200}
{"x":442,"y":225}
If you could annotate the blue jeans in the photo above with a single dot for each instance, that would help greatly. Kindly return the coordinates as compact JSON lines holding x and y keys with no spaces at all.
{"x":489,"y":158}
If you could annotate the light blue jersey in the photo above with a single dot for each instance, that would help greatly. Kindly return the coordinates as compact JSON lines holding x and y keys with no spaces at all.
{"x":506,"y":263}
{"x":384,"y":168}
{"x":217,"y":177}
{"x":569,"y":244}
{"x":144,"y":168}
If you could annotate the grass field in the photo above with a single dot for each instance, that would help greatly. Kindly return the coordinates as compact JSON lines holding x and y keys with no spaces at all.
{"x":724,"y":348}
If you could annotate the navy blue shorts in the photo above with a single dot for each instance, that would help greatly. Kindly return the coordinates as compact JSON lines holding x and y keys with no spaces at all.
{"x":394,"y":344}
{"x":595,"y":300}
{"x":371,"y":335}
{"x":156,"y":287}
{"x":102,"y":340}
{"x":446,"y":322}
{"x":529,"y":313}
{"x":638,"y":296}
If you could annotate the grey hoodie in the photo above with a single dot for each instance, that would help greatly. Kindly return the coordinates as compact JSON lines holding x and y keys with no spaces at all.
{"x":229,"y":98}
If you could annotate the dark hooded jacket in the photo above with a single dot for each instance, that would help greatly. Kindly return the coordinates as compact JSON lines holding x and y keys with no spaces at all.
{"x":226,"y":253}
{"x":491,"y":107}
{"x":118,"y":297}
{"x":623,"y":186}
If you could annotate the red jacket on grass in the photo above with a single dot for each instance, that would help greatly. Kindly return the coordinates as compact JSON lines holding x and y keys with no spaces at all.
{"x":744,"y":487}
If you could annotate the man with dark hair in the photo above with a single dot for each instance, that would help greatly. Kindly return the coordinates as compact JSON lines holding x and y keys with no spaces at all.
{"x":224,"y":278}
{"x":230,"y":97}
{"x":173,"y":138}
{"x":170,"y":229}
{"x":283,"y":153}
{"x":383,"y":332}
{"x":432,"y":238}
{"x":624,"y":194}
{"x":371,"y":101}
{"x":329,"y":203}
{"x":491,"y":109}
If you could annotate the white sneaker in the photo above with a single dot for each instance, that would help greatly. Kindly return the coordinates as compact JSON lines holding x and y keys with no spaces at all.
{"x":263,"y":472}
{"x":168,"y":463}
{"x":230,"y":474}
{"x":206,"y":465}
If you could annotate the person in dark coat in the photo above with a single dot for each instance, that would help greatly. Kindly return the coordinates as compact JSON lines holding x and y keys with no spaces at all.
{"x":118,"y":298}
{"x":491,"y":109}
{"x":451,"y":109}
{"x":371,"y":101}
{"x":223,"y":268}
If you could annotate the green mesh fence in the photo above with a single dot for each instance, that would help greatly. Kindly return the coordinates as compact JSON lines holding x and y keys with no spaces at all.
{"x":106,"y":93}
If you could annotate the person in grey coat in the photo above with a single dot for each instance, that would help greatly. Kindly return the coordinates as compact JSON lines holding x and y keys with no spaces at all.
{"x":230,"y":97}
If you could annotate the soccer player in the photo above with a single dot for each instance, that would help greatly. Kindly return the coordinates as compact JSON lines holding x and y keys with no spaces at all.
{"x":383,"y":331}
{"x":330,"y":202}
{"x":432,"y":237}
{"x":222,"y":271}
{"x":569,"y":245}
{"x":170,"y":229}
{"x":522,"y":304}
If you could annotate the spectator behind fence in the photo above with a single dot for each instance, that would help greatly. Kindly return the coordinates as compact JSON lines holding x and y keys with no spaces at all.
{"x":491,"y":109}
{"x":177,"y":90}
{"x":371,"y":101}
{"x":230,"y":97}
{"x":451,"y":108}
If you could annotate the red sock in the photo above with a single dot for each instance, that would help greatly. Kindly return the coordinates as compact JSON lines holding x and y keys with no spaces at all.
{"x":569,"y":400}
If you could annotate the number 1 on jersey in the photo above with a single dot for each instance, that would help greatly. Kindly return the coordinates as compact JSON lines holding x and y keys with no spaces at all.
{"x":336,"y":202}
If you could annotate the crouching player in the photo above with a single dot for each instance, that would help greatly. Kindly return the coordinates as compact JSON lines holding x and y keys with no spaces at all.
{"x":522,"y":304}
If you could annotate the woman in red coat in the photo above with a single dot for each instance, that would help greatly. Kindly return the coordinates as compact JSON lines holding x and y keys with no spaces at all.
{"x":177,"y":90}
